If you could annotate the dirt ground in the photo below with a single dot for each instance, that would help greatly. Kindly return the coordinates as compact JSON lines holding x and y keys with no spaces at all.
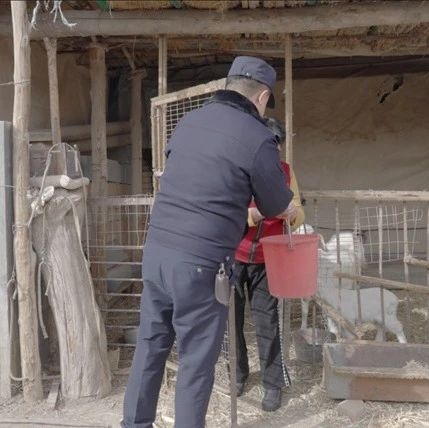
{"x":306,"y":399}
{"x":305,"y":404}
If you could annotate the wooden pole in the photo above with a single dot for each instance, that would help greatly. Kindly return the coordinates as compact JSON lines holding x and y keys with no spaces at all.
{"x":287,"y":155}
{"x":159,"y":150}
{"x":136,"y":134}
{"x":54,"y":103}
{"x":97,"y":67}
{"x":28,"y":325}
{"x":136,"y":126}
{"x":162,"y":65}
{"x":288,"y":100}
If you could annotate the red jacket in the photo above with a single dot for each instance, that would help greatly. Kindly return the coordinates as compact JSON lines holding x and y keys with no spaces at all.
{"x":250,"y":249}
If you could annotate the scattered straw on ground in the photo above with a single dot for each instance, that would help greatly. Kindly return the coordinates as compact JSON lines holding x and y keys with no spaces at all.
{"x":416,"y":370}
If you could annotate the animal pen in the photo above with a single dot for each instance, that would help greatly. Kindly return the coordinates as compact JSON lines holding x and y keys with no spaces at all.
{"x":376,"y":241}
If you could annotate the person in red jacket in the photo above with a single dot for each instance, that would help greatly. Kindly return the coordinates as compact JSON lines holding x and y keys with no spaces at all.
{"x":250,"y":273}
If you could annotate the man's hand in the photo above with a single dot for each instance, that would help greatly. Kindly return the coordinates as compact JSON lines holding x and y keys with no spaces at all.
{"x":289,"y":213}
{"x":255,"y":215}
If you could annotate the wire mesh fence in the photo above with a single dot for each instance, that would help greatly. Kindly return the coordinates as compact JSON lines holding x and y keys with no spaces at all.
{"x":373,"y":261}
{"x":118,"y":227}
{"x":167,"y":110}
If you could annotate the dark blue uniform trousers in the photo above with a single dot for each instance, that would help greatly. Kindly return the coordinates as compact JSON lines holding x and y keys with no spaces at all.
{"x":178,"y":301}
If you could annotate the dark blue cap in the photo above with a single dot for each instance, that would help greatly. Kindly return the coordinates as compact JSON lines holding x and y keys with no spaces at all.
{"x":255,"y":69}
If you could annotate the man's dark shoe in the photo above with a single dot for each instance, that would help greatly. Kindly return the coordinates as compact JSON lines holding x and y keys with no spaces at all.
{"x":272,"y":399}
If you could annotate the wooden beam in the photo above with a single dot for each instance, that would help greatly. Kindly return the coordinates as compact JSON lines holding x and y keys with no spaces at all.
{"x":28,"y":323}
{"x":112,"y":142}
{"x":79,"y":132}
{"x":136,"y":134}
{"x":194,"y":22}
{"x":412,"y":42}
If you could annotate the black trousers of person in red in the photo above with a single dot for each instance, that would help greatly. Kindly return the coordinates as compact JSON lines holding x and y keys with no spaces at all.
{"x":265,"y":317}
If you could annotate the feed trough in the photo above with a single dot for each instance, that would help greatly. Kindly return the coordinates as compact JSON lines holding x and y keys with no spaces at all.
{"x":380,"y":371}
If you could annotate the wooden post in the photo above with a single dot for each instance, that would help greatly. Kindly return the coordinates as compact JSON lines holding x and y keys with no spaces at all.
{"x":136,"y":126}
{"x":28,"y":324}
{"x":97,"y":67}
{"x":288,"y":100}
{"x":136,"y":134}
{"x":54,"y":104}
{"x":162,"y":90}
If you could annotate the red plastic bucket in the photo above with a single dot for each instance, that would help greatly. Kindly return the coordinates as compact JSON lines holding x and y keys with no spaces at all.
{"x":291,"y":270}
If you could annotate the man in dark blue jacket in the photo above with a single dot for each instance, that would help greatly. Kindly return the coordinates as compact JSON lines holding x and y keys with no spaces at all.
{"x":218,"y":158}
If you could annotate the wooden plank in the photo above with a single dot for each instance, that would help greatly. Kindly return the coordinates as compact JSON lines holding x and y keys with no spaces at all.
{"x":369,"y":195}
{"x":28,"y":323}
{"x":269,"y":21}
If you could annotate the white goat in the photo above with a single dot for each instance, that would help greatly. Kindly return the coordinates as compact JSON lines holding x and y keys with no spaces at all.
{"x":351,"y":255}
{"x":346,"y":300}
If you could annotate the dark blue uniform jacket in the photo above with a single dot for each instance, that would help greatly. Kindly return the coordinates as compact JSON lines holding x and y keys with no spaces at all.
{"x":218,"y":157}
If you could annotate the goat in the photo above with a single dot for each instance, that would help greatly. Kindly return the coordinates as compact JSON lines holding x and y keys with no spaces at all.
{"x":351,"y":255}
{"x":346,"y":300}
